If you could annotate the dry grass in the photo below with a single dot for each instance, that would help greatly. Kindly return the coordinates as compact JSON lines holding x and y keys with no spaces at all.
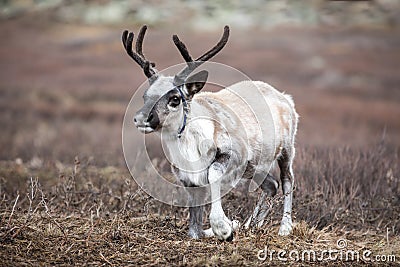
{"x":95,"y":216}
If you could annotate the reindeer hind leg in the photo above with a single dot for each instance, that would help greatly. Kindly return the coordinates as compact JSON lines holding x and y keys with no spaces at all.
{"x":269,"y":189}
{"x":286,"y":175}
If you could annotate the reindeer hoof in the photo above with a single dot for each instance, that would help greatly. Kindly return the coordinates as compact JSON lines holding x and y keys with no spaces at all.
{"x":223,"y":228}
{"x":285,"y":230}
{"x":195,"y":232}
{"x":230,"y":238}
{"x":208,"y":233}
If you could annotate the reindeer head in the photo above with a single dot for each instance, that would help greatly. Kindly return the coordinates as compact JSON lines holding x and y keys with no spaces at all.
{"x":167,"y":100}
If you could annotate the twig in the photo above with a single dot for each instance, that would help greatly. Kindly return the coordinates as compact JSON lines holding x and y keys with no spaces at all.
{"x":90,"y":231}
{"x":12,"y":211}
{"x":104,"y":258}
{"x":77,"y":164}
{"x":387,"y":235}
{"x":58,"y":225}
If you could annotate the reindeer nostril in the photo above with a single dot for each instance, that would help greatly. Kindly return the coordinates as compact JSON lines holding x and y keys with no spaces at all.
{"x":151,"y":116}
{"x":134,"y":120}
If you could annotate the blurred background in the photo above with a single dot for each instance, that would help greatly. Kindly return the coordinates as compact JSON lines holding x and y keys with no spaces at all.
{"x":65,"y":79}
{"x":65,"y":82}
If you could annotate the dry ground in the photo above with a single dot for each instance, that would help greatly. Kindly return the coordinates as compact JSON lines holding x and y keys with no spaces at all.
{"x":64,"y":89}
{"x":85,"y":215}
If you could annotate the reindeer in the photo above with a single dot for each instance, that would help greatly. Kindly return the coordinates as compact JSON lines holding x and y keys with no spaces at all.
{"x":175,"y":108}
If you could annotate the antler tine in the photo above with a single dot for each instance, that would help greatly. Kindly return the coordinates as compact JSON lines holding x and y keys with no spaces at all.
{"x":124,"y":38}
{"x":193,"y":64}
{"x":127,"y":41}
{"x":139,"y":41}
{"x":139,"y":44}
{"x":182,"y":48}
{"x":213,"y":51}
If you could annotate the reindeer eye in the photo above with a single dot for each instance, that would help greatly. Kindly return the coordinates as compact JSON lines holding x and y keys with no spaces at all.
{"x":174,"y":101}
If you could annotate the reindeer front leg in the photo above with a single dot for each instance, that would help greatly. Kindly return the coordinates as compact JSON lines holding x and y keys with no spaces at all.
{"x":196,"y":200}
{"x":196,"y":222}
{"x":221,"y":226}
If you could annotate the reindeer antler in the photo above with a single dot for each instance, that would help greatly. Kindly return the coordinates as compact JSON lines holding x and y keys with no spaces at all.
{"x":193,"y":64}
{"x":138,"y":57}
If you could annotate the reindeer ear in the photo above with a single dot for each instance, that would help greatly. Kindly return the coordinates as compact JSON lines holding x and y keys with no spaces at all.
{"x":196,"y":82}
